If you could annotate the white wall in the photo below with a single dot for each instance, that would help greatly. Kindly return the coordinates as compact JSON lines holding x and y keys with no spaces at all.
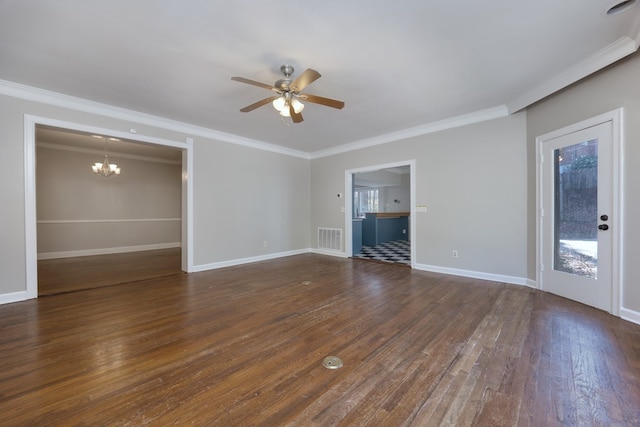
{"x":81,"y":213}
{"x":242,"y":196}
{"x":612,"y":88}
{"x":472,"y":180}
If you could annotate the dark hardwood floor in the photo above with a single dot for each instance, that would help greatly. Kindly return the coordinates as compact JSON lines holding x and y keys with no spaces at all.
{"x":72,"y":274}
{"x":244,"y":346}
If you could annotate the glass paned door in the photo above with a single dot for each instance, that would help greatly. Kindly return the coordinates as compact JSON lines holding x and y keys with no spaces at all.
{"x":576,"y":200}
{"x":576,"y":209}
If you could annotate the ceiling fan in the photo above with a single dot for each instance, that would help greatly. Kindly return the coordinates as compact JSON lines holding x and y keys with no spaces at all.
{"x":287,"y":100}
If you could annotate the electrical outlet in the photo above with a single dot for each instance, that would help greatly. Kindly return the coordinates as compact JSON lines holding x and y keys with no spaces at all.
{"x":455,"y":254}
{"x":264,"y":244}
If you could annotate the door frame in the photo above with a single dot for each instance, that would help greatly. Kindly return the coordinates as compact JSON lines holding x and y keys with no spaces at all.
{"x":348,"y":208}
{"x":30,"y":225}
{"x":616,"y":119}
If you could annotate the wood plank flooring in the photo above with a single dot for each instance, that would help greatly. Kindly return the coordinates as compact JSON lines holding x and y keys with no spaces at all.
{"x":243,"y":346}
{"x":72,"y":274}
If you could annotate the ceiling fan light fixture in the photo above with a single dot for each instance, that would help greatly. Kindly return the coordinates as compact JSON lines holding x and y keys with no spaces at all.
{"x":297,"y":105}
{"x":285,"y":112}
{"x":282,"y":106}
{"x":278,"y":103}
{"x":287,"y":102}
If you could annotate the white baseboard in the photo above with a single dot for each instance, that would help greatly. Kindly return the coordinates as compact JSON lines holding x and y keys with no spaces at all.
{"x":328,"y":252}
{"x":630,"y":315}
{"x":475,"y":274}
{"x":456,"y":272}
{"x":239,"y":261}
{"x":13,"y":297}
{"x":107,"y":251}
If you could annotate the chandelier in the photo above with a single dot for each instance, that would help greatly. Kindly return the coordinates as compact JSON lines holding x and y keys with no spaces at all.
{"x":105,"y":168}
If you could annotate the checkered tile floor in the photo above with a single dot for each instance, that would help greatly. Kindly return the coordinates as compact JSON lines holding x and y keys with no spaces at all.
{"x":398,"y":251}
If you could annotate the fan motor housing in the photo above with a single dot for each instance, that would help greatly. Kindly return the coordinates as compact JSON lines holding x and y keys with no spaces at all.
{"x":283,"y":84}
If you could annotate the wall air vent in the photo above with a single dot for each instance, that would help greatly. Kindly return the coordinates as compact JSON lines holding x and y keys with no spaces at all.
{"x":330,"y":238}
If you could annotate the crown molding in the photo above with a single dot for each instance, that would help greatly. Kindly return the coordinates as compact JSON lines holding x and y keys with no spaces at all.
{"x":43,"y":96}
{"x":617,"y":50}
{"x":450,"y":123}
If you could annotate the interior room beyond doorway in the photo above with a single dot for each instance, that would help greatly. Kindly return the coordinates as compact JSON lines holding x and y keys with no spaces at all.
{"x":381,"y":206}
{"x":95,"y":230}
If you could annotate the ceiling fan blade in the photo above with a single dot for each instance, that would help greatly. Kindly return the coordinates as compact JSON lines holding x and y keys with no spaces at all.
{"x":303,"y":80}
{"x":253,"y":82}
{"x":333,"y":103}
{"x":296,"y":117}
{"x":258,"y":104}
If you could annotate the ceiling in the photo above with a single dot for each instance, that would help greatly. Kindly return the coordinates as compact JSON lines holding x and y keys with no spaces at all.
{"x":397,"y":66}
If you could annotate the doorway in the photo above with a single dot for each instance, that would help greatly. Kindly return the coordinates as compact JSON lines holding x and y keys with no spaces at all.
{"x":379,"y":217}
{"x":185,"y":153}
{"x":579,"y":224}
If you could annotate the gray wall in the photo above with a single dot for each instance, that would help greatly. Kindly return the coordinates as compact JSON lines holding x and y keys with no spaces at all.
{"x":477,"y":181}
{"x":241,"y":198}
{"x":473,"y":181}
{"x":609,"y":89}
{"x":79,"y":211}
{"x":246,"y":197}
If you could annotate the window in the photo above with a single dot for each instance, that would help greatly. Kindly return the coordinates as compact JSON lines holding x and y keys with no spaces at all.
{"x":365,"y":200}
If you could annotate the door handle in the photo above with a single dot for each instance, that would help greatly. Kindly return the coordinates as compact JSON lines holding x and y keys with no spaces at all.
{"x":603,"y":227}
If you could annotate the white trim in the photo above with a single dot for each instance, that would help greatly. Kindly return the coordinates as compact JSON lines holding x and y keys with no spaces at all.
{"x":30,"y":123}
{"x":65,"y":101}
{"x":523,"y":281}
{"x":617,"y":263}
{"x":13,"y":297}
{"x":114,"y":154}
{"x":338,"y":254}
{"x":532,"y":284}
{"x":616,"y":118}
{"x":630,"y":315}
{"x":348,"y":208}
{"x":636,"y":38}
{"x":107,"y":251}
{"x":30,"y":217}
{"x":187,"y":208}
{"x":29,"y":93}
{"x":617,"y":50}
{"x":80,"y":127}
{"x":240,"y":261}
{"x":102,"y":221}
{"x":450,"y":123}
